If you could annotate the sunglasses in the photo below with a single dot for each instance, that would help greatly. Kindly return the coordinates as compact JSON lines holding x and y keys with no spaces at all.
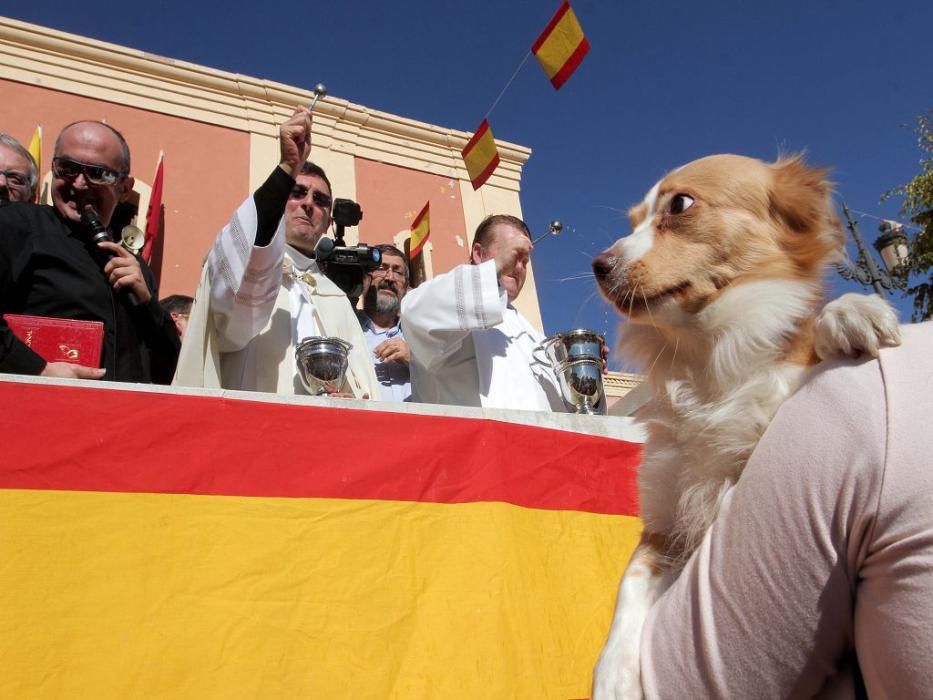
{"x":319,"y":198}
{"x":97,"y":175}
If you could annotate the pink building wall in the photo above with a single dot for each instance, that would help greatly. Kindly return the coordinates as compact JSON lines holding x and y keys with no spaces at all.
{"x":206,"y":166}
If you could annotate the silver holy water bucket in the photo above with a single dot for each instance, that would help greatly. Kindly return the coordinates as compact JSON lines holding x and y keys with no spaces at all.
{"x":577,"y":359}
{"x":322,"y":364}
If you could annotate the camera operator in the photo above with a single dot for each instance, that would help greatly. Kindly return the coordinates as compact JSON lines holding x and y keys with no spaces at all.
{"x":261,"y":291}
{"x":383,"y":289}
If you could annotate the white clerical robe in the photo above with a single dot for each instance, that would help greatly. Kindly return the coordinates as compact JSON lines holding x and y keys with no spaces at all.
{"x":254,"y":305}
{"x":470,"y":348}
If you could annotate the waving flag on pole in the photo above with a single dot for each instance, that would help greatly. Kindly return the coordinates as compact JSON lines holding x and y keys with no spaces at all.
{"x":480,"y":155}
{"x":154,"y":213}
{"x":420,"y":231}
{"x":35,"y":146}
{"x":35,"y":150}
{"x":561,"y":46}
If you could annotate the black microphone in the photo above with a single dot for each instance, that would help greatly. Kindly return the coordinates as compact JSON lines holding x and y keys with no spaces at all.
{"x":100,"y":234}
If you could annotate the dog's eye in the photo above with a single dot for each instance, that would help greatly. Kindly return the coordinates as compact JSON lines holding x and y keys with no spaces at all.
{"x":680,"y":203}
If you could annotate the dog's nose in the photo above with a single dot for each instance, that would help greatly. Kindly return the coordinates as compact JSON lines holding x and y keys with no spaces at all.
{"x":603,"y":265}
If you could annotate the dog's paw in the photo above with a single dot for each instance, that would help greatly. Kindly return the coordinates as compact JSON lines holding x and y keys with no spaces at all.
{"x":617,"y":675}
{"x":856,"y":324}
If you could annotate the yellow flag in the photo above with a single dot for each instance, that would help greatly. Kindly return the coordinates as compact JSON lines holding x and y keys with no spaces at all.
{"x":420,"y":230}
{"x":35,"y":147}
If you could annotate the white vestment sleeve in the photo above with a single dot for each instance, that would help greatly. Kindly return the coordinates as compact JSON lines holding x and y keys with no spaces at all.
{"x":439,"y":314}
{"x":245,"y":278}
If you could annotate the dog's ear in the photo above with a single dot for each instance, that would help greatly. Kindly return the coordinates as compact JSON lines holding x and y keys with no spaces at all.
{"x":800,"y":195}
{"x":801,"y":199}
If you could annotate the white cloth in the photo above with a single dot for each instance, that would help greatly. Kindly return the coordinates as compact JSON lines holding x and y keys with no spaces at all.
{"x":394,"y":377}
{"x":470,"y":348}
{"x":253,"y":305}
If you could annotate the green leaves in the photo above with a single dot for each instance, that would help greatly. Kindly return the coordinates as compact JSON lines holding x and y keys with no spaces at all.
{"x":917,"y":204}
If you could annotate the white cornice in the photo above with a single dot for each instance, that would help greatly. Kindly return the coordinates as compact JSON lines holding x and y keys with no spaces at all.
{"x":79,"y":65}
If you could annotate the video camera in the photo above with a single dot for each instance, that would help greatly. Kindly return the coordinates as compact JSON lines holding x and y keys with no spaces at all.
{"x":344,"y":264}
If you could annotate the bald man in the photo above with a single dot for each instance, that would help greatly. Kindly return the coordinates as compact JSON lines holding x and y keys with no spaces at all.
{"x":49,"y":266}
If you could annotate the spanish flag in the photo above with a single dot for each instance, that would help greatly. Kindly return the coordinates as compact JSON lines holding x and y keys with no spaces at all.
{"x":35,"y":147}
{"x":420,"y":231}
{"x":172,"y":545}
{"x":561,"y":46}
{"x":481,"y":155}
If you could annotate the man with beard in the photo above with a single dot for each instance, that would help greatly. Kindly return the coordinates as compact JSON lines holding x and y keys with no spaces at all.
{"x":261,"y":291}
{"x":50,"y":266}
{"x":383,"y":289}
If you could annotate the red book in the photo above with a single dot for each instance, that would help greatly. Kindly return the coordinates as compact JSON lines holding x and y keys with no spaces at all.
{"x":60,"y":339}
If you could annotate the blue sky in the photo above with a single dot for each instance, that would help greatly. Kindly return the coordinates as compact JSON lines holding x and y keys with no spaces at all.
{"x":664,"y":83}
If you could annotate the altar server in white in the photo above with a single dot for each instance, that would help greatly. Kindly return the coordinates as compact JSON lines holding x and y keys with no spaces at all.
{"x":469,"y":346}
{"x":261,"y":292}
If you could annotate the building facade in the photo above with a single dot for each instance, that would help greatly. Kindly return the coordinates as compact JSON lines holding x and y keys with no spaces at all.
{"x":218,"y":132}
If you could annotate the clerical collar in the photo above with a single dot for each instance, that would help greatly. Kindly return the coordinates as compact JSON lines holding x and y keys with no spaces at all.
{"x":301,"y":261}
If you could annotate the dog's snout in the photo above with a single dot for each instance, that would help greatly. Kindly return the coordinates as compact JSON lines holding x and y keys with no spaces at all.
{"x":603,"y":265}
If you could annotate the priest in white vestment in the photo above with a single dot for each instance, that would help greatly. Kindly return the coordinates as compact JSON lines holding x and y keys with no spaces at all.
{"x":261,"y":292}
{"x":469,"y":345}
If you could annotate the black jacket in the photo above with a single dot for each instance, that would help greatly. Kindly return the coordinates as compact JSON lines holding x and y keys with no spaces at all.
{"x":50,"y":267}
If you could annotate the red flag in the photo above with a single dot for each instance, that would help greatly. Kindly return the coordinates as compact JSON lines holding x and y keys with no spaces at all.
{"x":480,"y":155}
{"x":561,"y":46}
{"x":154,"y":213}
{"x":420,"y":231}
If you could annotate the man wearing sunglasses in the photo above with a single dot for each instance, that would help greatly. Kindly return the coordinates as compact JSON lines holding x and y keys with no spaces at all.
{"x":49,"y":266}
{"x":19,"y":175}
{"x":261,"y":292}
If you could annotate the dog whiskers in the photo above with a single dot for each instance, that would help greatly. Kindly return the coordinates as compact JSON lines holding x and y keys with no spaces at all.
{"x":584,"y":303}
{"x":658,"y":357}
{"x":581,"y":276}
{"x":647,"y":306}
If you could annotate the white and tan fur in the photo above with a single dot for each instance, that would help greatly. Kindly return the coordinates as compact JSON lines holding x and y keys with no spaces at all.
{"x":721,"y":284}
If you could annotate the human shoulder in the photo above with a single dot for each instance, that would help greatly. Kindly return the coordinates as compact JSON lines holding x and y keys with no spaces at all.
{"x":25,"y":218}
{"x":22,"y":224}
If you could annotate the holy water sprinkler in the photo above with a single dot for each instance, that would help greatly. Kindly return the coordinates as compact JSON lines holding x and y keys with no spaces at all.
{"x":554,"y":229}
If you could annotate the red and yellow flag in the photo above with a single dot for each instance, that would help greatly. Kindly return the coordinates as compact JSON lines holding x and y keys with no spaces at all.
{"x":35,"y":150}
{"x":561,"y":46}
{"x":214,"y":560}
{"x":35,"y":147}
{"x":481,"y":155}
{"x":420,"y":230}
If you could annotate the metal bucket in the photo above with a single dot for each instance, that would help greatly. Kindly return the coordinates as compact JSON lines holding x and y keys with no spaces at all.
{"x":322,"y":364}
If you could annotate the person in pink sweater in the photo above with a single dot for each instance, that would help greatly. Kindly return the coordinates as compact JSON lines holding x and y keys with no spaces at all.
{"x":822,"y":553}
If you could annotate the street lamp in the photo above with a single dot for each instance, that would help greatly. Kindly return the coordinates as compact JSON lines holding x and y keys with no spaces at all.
{"x":891,"y":245}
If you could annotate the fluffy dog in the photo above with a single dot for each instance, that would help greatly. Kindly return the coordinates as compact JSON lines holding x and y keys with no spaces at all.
{"x":721,"y":284}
